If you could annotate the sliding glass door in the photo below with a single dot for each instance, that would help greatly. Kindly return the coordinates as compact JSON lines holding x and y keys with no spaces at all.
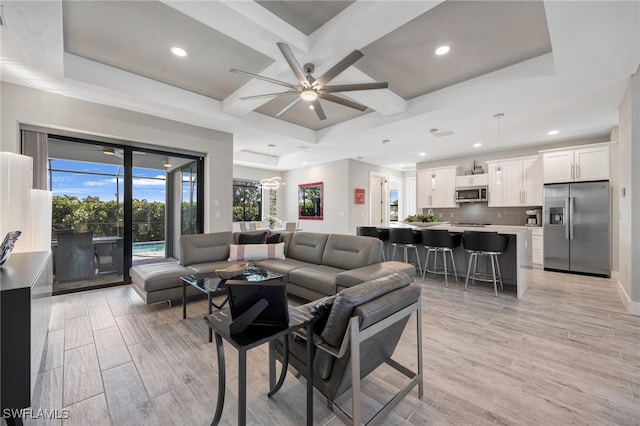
{"x":114,"y":207}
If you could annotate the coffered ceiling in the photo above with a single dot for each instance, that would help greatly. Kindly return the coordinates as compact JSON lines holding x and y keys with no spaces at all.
{"x":545,"y":65}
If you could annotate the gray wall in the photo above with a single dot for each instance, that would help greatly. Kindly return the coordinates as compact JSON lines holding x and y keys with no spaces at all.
{"x":21,"y":105}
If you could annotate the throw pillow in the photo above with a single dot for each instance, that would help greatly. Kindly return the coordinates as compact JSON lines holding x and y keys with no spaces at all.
{"x":274,"y":239}
{"x":243,"y":252}
{"x":253,"y":237}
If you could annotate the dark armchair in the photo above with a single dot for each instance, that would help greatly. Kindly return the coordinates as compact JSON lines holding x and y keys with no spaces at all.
{"x":75,"y":256}
{"x":357,"y":331}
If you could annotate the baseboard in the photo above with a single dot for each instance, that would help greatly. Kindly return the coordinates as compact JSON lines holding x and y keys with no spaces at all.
{"x":633,"y":308}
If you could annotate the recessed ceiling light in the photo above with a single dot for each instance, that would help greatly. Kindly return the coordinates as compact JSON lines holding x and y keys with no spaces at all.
{"x":304,"y":163}
{"x":311,"y":106}
{"x":477,"y":145}
{"x":179,"y":51}
{"x":422,"y":154}
{"x":443,"y":50}
{"x":553,"y":132}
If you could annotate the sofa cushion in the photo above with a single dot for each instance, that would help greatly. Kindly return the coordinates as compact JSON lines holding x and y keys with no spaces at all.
{"x":307,"y":247}
{"x":259,"y":237}
{"x":158,"y":276}
{"x":351,"y":297}
{"x":351,"y":251}
{"x":206,"y":267}
{"x":321,"y":278}
{"x":202,"y":248}
{"x":280,"y":266}
{"x":359,"y":275}
{"x":244,"y":252}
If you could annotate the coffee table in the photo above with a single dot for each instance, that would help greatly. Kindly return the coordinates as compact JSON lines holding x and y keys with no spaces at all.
{"x":212,"y":286}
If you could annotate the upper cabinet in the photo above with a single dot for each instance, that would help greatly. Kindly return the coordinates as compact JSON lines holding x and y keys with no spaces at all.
{"x":576,"y":164}
{"x":515,"y":182}
{"x":472,"y":180}
{"x":436,"y":188}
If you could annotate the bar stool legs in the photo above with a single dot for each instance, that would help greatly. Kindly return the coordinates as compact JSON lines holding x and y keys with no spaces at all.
{"x":495,"y":271}
{"x":444,"y":252}
{"x":406,"y":257}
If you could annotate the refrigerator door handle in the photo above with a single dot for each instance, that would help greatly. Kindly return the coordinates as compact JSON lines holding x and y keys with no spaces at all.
{"x":565,"y":219}
{"x":571,"y":218}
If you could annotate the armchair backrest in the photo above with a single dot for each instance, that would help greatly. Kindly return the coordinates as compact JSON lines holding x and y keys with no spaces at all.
{"x":371,"y":302}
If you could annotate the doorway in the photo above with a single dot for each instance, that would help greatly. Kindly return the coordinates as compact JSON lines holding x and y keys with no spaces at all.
{"x":113,"y":207}
{"x":378,"y":211}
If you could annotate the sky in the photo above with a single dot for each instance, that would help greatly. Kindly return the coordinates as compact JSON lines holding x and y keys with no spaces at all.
{"x":147,"y":184}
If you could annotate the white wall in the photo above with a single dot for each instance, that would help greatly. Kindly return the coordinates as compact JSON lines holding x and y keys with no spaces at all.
{"x":29,"y":106}
{"x":629,"y":196}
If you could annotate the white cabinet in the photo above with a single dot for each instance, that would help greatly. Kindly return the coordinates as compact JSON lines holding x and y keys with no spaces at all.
{"x":537,"y":246}
{"x":515,"y":182}
{"x":437,"y":187}
{"x":472,"y":180}
{"x":576,"y":164}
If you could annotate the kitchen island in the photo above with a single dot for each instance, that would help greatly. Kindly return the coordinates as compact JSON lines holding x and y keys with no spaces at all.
{"x":516,"y":262}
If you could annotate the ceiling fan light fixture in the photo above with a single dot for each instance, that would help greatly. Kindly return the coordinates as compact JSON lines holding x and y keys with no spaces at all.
{"x":309,"y":95}
{"x":443,"y":50}
{"x":179,"y":51}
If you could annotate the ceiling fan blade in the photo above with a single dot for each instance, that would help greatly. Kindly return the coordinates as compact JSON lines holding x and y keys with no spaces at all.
{"x":293,"y":63}
{"x":269,"y":95}
{"x":289,"y":106}
{"x":270,"y":80}
{"x":318,"y":109}
{"x":332,"y":72}
{"x":343,"y":101}
{"x":353,"y":87}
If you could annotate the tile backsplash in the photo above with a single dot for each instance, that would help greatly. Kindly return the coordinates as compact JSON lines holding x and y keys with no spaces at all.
{"x":482,"y":213}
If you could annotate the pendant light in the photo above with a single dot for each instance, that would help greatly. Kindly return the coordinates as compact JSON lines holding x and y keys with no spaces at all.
{"x":433,"y":149}
{"x":273,"y":182}
{"x":499,"y":167}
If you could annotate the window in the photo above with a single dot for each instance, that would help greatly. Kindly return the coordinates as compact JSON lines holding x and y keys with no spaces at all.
{"x":247,"y":200}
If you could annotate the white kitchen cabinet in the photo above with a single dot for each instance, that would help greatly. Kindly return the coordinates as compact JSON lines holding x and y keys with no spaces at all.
{"x":515,"y":182}
{"x":437,"y":187}
{"x":576,"y":164}
{"x":472,"y":180}
{"x":537,"y":247}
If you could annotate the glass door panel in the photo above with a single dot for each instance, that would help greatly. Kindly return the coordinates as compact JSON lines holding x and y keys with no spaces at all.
{"x":149,"y":189}
{"x":87,"y":215}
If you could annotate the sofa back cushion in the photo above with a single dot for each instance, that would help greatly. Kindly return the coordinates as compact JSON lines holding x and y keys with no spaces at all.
{"x":202,"y":248}
{"x":307,"y":247}
{"x":351,"y":252}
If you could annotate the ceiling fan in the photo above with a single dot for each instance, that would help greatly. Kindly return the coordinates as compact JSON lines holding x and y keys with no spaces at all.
{"x":313,"y":89}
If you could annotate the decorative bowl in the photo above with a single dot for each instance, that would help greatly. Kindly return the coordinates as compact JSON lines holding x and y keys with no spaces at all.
{"x":231,"y":271}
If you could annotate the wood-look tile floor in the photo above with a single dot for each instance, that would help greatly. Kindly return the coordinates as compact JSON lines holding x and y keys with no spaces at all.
{"x":567,"y":353}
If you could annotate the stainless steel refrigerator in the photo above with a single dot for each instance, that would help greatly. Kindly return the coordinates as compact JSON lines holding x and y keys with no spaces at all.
{"x":577,"y":227}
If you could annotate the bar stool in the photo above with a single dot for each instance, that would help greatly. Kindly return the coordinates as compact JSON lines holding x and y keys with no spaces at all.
{"x":383,"y":235}
{"x":371,"y":231}
{"x":484,"y":244}
{"x":405,"y":238}
{"x":440,"y":241}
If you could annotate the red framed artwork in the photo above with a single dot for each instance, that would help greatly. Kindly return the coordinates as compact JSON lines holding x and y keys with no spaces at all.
{"x":359,"y":196}
{"x":310,"y":201}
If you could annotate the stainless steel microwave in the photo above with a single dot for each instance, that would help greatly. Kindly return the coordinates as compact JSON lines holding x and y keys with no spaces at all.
{"x":471,"y":195}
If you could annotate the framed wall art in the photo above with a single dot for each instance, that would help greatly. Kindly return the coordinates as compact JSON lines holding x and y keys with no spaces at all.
{"x":310,"y":201}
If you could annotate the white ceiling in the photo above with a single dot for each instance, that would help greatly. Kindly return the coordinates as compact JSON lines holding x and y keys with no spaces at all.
{"x":545,"y":65}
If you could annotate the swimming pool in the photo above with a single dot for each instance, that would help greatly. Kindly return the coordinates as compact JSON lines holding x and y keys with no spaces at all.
{"x":151,"y":247}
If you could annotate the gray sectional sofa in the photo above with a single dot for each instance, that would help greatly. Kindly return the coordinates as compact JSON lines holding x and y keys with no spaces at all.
{"x":315,"y":264}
